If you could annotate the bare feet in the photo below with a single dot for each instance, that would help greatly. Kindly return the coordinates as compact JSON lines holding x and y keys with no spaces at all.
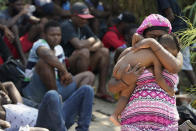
{"x":114,"y":120}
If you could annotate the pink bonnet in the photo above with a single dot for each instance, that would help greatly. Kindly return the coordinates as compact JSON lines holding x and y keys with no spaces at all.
{"x":154,"y":20}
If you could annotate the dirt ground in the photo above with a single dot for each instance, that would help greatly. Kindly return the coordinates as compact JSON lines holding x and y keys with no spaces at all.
{"x":101,"y":111}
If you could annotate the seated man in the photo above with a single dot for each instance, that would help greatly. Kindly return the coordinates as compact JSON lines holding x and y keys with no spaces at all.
{"x":83,"y":49}
{"x":17,"y":18}
{"x":45,"y":69}
{"x":52,"y":113}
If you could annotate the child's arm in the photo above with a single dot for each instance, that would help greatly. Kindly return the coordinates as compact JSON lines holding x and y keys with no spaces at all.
{"x":159,"y":78}
{"x":13,"y":93}
{"x":136,"y":38}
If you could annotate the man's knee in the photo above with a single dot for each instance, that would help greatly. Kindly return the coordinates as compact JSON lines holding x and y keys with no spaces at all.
{"x":84,"y":53}
{"x":89,"y":74}
{"x":104,"y":51}
{"x":87,"y":90}
{"x":52,"y":96}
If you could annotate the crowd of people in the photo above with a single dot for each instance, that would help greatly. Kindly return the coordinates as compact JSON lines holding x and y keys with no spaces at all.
{"x":61,"y":47}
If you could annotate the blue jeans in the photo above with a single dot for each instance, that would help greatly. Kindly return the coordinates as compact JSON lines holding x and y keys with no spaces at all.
{"x":35,"y":90}
{"x":57,"y":116}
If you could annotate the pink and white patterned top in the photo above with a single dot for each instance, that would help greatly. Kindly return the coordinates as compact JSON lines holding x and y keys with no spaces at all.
{"x":150,"y":108}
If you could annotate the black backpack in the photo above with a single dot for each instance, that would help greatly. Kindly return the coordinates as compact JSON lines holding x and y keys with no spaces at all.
{"x":12,"y":70}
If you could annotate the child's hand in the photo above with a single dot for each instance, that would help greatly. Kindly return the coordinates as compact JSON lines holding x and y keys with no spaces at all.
{"x":136,"y":38}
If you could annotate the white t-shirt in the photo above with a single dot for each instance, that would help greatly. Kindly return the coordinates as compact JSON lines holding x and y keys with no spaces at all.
{"x":20,"y":115}
{"x":33,"y":58}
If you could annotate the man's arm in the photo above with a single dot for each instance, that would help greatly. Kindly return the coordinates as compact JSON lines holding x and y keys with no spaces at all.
{"x":171,"y":63}
{"x":79,"y":44}
{"x":13,"y":93}
{"x":13,"y":21}
{"x":49,"y":57}
{"x":7,"y":32}
{"x":97,"y":45}
{"x":18,"y":45}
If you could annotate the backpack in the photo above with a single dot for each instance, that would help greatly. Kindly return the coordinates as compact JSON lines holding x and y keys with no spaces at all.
{"x":12,"y":70}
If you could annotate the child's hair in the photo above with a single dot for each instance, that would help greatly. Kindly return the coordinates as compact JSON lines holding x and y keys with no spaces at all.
{"x":171,"y":41}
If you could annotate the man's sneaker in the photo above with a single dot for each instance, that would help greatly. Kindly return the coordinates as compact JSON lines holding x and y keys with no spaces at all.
{"x":187,"y":126}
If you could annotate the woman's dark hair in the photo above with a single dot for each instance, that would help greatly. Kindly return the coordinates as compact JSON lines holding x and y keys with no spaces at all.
{"x":50,"y":24}
{"x":166,"y":29}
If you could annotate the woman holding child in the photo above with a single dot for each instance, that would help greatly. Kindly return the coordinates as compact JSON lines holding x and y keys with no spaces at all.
{"x":149,"y":107}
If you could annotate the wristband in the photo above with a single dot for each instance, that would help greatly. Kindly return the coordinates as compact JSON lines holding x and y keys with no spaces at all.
{"x":124,"y":82}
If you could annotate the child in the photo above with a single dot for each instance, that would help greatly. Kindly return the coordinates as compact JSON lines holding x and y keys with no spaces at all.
{"x":147,"y":58}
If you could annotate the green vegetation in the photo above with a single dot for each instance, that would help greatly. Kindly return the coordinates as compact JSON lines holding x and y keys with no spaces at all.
{"x":190,"y":12}
{"x":187,"y":38}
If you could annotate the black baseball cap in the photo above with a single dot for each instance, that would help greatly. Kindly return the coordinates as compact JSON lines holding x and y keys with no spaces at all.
{"x":126,"y":17}
{"x":81,"y":10}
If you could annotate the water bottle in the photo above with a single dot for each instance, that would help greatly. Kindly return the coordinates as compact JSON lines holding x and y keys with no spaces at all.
{"x":31,"y":9}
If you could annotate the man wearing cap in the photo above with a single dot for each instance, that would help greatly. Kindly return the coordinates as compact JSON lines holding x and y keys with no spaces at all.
{"x":115,"y":36}
{"x":83,"y":49}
